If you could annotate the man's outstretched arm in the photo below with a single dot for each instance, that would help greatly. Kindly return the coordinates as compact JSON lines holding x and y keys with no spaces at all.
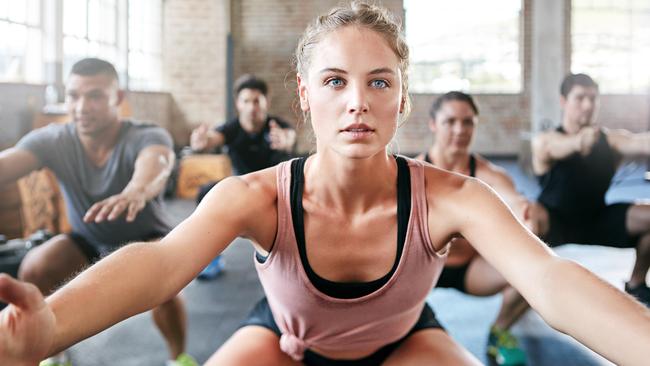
{"x":152,"y":168}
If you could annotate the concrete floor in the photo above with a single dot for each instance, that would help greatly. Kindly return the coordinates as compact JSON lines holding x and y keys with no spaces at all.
{"x":215,"y":308}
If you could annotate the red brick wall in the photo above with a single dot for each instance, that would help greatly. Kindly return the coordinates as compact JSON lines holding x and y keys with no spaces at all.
{"x":631,"y":112}
{"x":194,"y":60}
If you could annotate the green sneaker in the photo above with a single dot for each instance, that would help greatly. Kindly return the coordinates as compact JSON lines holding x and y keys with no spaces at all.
{"x":55,"y":361}
{"x":503,"y":347}
{"x":183,"y":360}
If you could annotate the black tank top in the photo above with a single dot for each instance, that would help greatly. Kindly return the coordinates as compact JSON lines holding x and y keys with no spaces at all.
{"x":575,"y":187}
{"x":349,"y":290}
{"x":472,"y":163}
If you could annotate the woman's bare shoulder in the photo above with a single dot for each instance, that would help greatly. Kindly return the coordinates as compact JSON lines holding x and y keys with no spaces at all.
{"x":262,"y":182}
{"x":245,"y":194}
{"x":448,"y":190}
{"x":247,"y":203}
{"x":441,"y":181}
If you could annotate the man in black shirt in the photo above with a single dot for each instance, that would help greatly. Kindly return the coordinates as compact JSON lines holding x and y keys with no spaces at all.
{"x":575,"y":164}
{"x":254,"y":139}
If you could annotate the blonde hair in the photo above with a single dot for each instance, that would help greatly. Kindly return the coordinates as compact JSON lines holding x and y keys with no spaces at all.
{"x":364,"y":15}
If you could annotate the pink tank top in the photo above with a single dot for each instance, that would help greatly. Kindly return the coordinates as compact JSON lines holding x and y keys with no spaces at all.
{"x":309,"y":318}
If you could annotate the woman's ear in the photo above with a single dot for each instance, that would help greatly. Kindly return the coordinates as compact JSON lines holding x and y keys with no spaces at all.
{"x":402,"y":104}
{"x":302,"y":93}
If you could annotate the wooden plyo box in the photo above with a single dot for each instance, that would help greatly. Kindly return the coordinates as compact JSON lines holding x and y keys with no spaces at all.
{"x":197,"y":170}
{"x":34,"y":202}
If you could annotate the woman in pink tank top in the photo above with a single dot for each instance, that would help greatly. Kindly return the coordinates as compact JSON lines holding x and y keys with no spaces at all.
{"x":325,"y":228}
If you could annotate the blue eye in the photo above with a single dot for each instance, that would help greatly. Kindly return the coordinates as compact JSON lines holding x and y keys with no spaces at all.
{"x":335,"y":82}
{"x":379,"y":84}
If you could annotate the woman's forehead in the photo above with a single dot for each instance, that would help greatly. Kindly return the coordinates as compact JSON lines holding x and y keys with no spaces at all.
{"x":458,"y":108}
{"x":353,"y":48}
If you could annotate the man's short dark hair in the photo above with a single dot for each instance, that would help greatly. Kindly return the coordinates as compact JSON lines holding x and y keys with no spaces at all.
{"x":94,"y":66}
{"x":572,"y":80}
{"x":250,"y":81}
{"x":452,"y":95}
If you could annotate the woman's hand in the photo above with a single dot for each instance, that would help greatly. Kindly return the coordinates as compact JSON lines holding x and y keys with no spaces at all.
{"x":27,"y":324}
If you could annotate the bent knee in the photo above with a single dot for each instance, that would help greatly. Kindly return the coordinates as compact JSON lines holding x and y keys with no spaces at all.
{"x":252,"y":346}
{"x":51,"y":263}
{"x":430,"y":346}
{"x":33,"y":268}
{"x":174,"y":304}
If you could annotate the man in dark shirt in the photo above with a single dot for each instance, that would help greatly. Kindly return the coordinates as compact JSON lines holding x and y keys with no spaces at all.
{"x":254,"y":139}
{"x":575,"y":164}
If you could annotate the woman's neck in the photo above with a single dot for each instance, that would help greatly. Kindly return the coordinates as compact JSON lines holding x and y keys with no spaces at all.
{"x":350,"y":185}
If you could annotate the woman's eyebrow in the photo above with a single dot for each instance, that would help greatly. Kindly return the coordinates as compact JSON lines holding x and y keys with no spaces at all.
{"x":381,"y":70}
{"x":333,"y":69}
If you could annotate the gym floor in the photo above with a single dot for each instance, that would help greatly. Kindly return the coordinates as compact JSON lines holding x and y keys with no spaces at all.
{"x":215,"y":308}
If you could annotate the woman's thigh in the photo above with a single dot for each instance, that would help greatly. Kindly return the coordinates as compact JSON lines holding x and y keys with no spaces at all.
{"x":430,"y":347}
{"x":251,"y":346}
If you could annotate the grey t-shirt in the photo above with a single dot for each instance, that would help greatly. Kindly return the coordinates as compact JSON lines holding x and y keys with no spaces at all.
{"x":58,"y":148}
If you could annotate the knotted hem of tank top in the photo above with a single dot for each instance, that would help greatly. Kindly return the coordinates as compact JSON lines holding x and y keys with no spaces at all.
{"x":293,"y":346}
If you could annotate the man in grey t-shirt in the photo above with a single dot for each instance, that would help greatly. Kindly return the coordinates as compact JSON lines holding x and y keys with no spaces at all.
{"x":112,"y":173}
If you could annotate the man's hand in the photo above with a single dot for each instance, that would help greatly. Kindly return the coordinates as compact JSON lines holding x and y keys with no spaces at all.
{"x":152,"y":168}
{"x":281,"y":138}
{"x":587,"y":137}
{"x":132,"y":201}
{"x":26,"y":325}
{"x":199,"y":138}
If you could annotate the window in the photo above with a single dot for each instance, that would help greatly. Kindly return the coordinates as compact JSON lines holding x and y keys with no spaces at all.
{"x":127,"y":33}
{"x":89,"y":30}
{"x":610,"y":41}
{"x":145,"y":44}
{"x":21,"y":56}
{"x":455,"y":48}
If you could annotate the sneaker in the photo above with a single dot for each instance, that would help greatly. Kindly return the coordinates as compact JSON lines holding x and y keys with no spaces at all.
{"x":503,"y":347}
{"x":640,"y":292}
{"x":183,"y":360}
{"x":58,"y":360}
{"x":213,"y":270}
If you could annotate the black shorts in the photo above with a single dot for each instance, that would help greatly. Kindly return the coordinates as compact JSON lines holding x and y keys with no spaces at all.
{"x":606,"y":228}
{"x":261,"y":316}
{"x":454,"y":277}
{"x":93,"y":253}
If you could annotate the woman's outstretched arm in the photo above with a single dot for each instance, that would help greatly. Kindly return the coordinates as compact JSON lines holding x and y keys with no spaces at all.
{"x":568,"y":296}
{"x":134,"y":279}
